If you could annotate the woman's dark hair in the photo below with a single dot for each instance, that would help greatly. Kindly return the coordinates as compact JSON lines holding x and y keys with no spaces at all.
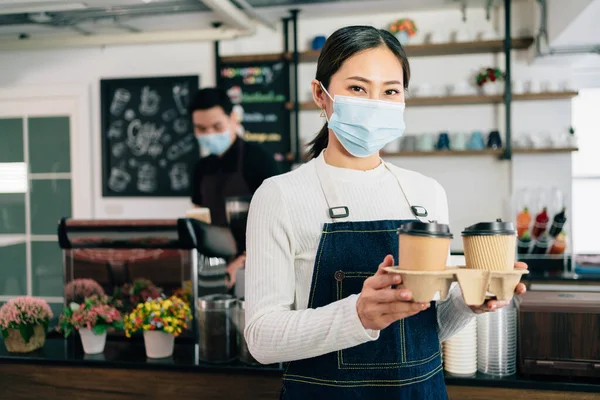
{"x":341,"y":45}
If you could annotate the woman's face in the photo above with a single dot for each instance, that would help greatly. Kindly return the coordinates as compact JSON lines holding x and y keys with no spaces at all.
{"x":371,"y":74}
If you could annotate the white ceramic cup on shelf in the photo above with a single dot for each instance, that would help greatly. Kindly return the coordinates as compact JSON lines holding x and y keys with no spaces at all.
{"x":518,"y":87}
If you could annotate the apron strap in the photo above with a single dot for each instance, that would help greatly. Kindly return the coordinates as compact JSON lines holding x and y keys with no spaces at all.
{"x":419,"y":212}
{"x":337,"y":210}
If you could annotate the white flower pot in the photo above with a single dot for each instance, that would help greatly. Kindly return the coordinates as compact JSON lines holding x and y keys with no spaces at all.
{"x":92,"y":343}
{"x":158,"y":344}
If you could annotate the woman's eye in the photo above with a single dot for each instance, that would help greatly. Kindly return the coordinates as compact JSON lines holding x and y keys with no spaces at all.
{"x":392,"y":92}
{"x":357,"y":89}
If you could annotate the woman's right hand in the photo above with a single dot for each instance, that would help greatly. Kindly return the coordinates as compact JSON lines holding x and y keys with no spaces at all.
{"x":379,"y":305}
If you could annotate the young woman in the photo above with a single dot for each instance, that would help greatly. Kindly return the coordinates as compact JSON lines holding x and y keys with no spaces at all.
{"x":318,"y":237}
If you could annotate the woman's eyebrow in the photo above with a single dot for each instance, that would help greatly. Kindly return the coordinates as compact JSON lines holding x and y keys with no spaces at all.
{"x":365,"y":80}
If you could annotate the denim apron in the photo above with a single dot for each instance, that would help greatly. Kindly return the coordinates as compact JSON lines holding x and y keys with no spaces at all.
{"x":404,"y":362}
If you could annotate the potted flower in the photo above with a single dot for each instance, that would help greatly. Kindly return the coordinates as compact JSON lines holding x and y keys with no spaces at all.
{"x":80,"y":289}
{"x":184,"y":292}
{"x":489,"y":80}
{"x":24,"y":321}
{"x":92,"y":319}
{"x":403,"y":29}
{"x":161,"y":320}
{"x":128,"y":296}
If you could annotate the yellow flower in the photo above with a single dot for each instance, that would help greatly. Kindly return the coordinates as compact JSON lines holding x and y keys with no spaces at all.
{"x":169,"y":329}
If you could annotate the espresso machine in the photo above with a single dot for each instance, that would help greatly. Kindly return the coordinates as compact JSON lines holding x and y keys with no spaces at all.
{"x":236,"y":212}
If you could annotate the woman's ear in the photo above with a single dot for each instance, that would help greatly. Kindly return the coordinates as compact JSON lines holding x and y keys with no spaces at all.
{"x":319,"y":95}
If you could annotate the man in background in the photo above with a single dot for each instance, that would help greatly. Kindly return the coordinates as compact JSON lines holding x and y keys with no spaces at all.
{"x":230,"y":166}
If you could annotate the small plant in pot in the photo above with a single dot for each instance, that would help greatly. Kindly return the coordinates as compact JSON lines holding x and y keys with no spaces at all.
{"x":91,"y":319}
{"x":128,"y":296}
{"x":490,"y":81}
{"x":161,"y":320}
{"x":24,"y":321}
{"x":80,"y":289}
{"x":403,"y":29}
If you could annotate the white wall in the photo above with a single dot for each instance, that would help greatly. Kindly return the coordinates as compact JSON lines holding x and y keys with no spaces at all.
{"x":492,"y":178}
{"x":85,"y":67}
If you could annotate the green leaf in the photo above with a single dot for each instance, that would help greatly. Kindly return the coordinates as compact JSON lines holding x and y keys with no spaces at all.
{"x":4,"y":333}
{"x":99,"y":329}
{"x":26,"y":332}
{"x":67,"y":331}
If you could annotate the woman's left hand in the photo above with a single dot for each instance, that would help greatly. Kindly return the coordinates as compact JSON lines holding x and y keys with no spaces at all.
{"x":493,"y":305}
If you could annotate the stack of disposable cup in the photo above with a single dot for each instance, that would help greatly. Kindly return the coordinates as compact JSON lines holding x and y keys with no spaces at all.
{"x":460,"y":351}
{"x":497,"y":342}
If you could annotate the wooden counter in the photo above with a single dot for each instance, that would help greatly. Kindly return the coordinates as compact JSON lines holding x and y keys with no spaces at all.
{"x":61,"y":371}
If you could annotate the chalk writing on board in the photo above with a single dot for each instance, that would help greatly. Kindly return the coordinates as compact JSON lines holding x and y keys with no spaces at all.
{"x":180,"y":126}
{"x":259,"y":117}
{"x":180,"y":148}
{"x":129,"y":115}
{"x":116,"y":130}
{"x":179,"y":176}
{"x":146,"y":178}
{"x":141,"y":136}
{"x":155,"y":150}
{"x":262,"y":137}
{"x":169,"y":115}
{"x":148,"y":143}
{"x":119,"y":179}
{"x":165,"y":139}
{"x":181,"y":95}
{"x":118,"y":150}
{"x":150,"y":102}
{"x":119,"y":102}
{"x":235,"y":94}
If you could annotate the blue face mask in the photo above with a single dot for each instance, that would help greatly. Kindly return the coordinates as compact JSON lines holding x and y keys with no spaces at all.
{"x":365,"y":126}
{"x":214,"y":143}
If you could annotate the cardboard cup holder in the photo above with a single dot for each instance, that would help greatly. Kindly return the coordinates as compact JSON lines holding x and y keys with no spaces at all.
{"x":474,"y":283}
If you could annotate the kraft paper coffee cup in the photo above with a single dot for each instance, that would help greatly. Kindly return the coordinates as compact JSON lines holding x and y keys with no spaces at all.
{"x":423,"y":246}
{"x":490,"y":246}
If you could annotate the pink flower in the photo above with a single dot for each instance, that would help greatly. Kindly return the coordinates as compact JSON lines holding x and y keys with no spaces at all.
{"x":80,"y":289}
{"x":25,"y":310}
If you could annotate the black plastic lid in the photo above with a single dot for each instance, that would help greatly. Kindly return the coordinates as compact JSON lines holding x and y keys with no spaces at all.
{"x":431,"y":229}
{"x":490,"y":228}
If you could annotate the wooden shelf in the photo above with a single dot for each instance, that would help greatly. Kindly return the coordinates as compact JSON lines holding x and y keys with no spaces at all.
{"x":444,"y":153}
{"x":485,"y":152}
{"x":464,"y":100}
{"x":545,"y":151}
{"x":447,"y":49}
{"x":416,"y":50}
{"x":256,"y":58}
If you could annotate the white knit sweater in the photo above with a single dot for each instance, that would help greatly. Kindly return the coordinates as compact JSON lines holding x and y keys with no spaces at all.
{"x":284,"y":227}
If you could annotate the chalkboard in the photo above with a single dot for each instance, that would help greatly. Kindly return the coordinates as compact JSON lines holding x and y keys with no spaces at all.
{"x":148,"y":143}
{"x":260,"y":91}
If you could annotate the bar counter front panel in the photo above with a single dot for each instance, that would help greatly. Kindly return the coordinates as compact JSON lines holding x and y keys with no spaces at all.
{"x":61,"y":370}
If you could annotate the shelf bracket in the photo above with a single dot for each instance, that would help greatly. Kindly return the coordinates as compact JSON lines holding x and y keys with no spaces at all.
{"x":507,"y":155}
{"x":488,"y":9}
{"x":463,"y":10}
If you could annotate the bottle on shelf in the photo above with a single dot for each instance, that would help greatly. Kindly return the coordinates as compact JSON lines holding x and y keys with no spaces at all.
{"x":542,"y":244}
{"x":523,"y":222}
{"x":559,"y":244}
{"x":524,"y":243}
{"x":540,"y":224}
{"x":557,"y":223}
